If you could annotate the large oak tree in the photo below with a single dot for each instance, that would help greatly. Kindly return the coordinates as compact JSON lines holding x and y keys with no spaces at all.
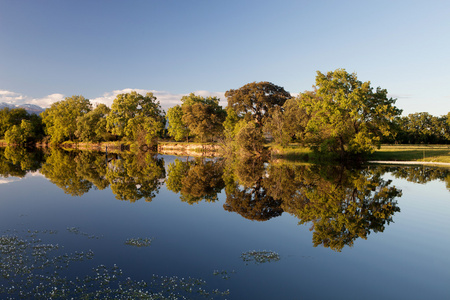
{"x":256,"y":100}
{"x":346,"y":115}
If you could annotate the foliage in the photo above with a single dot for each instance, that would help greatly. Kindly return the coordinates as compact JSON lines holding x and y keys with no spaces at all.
{"x":255,"y":101}
{"x":346,"y":115}
{"x":60,"y":120}
{"x":249,"y":140}
{"x":287,"y":123}
{"x":19,"y":135}
{"x":11,"y":117}
{"x":139,"y":118}
{"x":422,"y":128}
{"x":91,"y":127}
{"x":203,"y":116}
{"x":177,"y":128}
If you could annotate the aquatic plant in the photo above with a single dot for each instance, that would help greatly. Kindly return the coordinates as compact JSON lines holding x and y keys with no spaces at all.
{"x":259,"y":257}
{"x":139,"y":242}
{"x":30,"y":268}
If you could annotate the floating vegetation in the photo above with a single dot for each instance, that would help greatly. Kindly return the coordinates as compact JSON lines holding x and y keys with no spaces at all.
{"x":259,"y":257}
{"x":223,"y":273}
{"x":139,"y":242}
{"x":76,"y":230}
{"x":30,"y":268}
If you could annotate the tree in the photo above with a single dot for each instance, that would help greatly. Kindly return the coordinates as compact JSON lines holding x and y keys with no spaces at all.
{"x":345,"y":115}
{"x":139,"y":118}
{"x":60,"y":119}
{"x":91,"y":127}
{"x":287,"y":122}
{"x":256,"y":100}
{"x":11,"y":117}
{"x":203,"y":116}
{"x":20,"y":134}
{"x":177,"y":129}
{"x":249,"y":140}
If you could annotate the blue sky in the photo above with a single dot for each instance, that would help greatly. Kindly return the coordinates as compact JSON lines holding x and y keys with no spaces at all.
{"x":53,"y":49}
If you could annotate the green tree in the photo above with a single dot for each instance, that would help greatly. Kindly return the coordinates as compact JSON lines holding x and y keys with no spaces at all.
{"x":11,"y":117}
{"x":249,"y":140}
{"x":137,"y":117}
{"x":91,"y":127}
{"x":256,"y":100}
{"x":177,"y":128}
{"x":19,"y":135}
{"x":346,"y":115}
{"x":203,"y":116}
{"x":60,"y":119}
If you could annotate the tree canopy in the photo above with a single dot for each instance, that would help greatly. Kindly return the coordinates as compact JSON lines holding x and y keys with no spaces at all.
{"x":91,"y":127}
{"x":203,"y":116}
{"x":256,"y":100}
{"x":345,"y":115}
{"x":136,"y":117}
{"x":60,"y":119}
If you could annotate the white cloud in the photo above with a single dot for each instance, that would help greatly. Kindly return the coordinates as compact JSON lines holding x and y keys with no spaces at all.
{"x":166,"y":99}
{"x":18,"y":99}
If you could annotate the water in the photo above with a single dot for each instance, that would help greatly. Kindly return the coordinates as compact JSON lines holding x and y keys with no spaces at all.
{"x":203,"y":229}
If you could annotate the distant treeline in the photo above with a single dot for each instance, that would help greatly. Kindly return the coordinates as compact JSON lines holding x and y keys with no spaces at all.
{"x":340,"y":115}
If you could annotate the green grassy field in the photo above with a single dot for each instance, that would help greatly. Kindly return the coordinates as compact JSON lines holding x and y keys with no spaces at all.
{"x":427,"y":153}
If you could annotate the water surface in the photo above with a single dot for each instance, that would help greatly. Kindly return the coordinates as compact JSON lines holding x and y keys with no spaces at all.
{"x":154,"y":226}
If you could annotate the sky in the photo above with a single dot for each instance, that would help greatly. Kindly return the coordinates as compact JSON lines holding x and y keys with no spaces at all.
{"x":55,"y":49}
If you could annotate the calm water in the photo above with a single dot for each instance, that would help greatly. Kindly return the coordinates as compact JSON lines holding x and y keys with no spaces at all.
{"x":136,"y":226}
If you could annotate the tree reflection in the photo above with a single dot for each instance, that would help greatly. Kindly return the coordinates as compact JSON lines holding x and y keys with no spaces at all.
{"x":133,"y":177}
{"x":196,"y":180}
{"x":17,"y":161}
{"x":419,"y":174}
{"x":60,"y":168}
{"x":341,"y":204}
{"x":245,"y":192}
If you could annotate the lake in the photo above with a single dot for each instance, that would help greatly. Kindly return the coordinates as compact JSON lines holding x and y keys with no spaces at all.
{"x":89,"y":225}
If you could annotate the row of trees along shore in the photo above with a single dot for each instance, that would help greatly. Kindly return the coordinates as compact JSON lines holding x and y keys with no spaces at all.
{"x":340,"y":115}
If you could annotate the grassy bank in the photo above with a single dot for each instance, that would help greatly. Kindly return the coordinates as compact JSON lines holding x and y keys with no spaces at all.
{"x":425,"y":153}
{"x":418,"y":153}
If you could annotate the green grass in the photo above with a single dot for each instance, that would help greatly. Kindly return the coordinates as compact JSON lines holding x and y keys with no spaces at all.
{"x":292,"y":152}
{"x":428,"y":153}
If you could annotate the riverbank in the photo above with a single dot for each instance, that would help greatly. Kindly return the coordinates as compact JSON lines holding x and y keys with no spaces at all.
{"x":392,"y":154}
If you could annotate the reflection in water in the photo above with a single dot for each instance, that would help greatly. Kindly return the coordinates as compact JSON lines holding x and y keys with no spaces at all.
{"x":18,"y":161}
{"x":133,"y":177}
{"x":339,"y":203}
{"x":246,"y":193}
{"x":196,"y":180}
